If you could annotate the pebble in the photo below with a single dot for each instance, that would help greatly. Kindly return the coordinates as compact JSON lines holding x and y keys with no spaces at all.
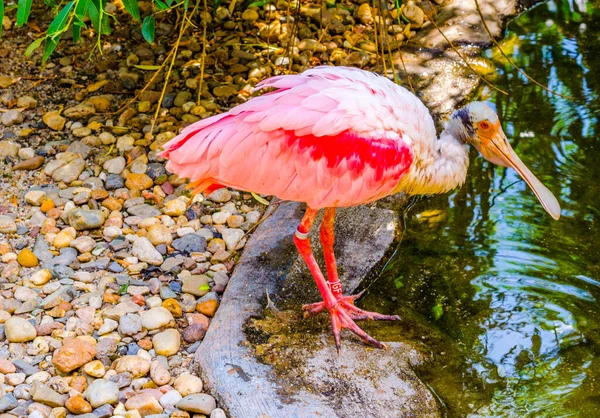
{"x":82,"y":219}
{"x":156,"y":318}
{"x":200,"y":403}
{"x":167,"y":343}
{"x":144,"y":250}
{"x":144,"y":403}
{"x":19,"y":330}
{"x":7,"y":224}
{"x":187,"y":384}
{"x":74,"y":353}
{"x":196,"y":285}
{"x":101,"y":392}
{"x":136,"y":366}
{"x":12,"y":117}
{"x":27,"y":258}
{"x":54,"y":120}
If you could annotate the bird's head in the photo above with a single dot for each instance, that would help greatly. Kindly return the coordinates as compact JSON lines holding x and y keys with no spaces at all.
{"x":477,"y":124}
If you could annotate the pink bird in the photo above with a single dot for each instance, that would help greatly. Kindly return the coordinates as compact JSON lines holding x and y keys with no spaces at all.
{"x":337,"y":137}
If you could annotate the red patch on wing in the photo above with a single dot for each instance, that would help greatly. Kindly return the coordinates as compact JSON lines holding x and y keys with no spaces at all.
{"x":384,"y":155}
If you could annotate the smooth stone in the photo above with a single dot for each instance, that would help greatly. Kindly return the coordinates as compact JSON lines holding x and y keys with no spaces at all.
{"x":190,"y":243}
{"x":19,"y":330}
{"x":156,"y":318}
{"x":200,"y":403}
{"x":167,"y":343}
{"x":82,"y":219}
{"x":43,"y":394}
{"x":188,"y":384}
{"x":144,"y":250}
{"x":101,"y":392}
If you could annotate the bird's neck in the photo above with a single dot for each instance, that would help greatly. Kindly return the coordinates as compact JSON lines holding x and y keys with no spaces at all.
{"x":440,"y":168}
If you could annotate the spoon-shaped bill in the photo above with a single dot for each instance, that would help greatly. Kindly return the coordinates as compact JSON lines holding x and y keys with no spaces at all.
{"x":498,"y":151}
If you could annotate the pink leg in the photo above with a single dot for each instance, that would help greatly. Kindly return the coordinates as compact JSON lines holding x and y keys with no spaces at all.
{"x":341,"y":308}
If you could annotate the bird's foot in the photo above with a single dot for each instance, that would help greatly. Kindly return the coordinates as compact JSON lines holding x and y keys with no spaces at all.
{"x":343,"y":315}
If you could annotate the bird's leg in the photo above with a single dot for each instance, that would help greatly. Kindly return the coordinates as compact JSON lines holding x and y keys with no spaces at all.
{"x":342,"y":309}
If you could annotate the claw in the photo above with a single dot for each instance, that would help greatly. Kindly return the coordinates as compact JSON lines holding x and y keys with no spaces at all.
{"x":343,"y":315}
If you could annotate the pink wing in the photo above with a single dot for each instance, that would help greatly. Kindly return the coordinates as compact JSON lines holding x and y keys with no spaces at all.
{"x":330,"y":136}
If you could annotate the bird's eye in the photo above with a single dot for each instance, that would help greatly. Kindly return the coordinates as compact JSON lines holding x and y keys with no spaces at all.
{"x":484,"y":125}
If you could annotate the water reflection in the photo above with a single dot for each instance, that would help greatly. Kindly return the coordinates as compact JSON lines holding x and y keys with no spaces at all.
{"x":510,"y":297}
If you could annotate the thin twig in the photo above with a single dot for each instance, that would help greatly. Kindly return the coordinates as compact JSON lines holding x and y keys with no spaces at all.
{"x":203,"y":58}
{"x":461,"y":55}
{"x":184,"y":26}
{"x":377,"y":42}
{"x":148,"y":84}
{"x":511,"y":62}
{"x":386,"y":40}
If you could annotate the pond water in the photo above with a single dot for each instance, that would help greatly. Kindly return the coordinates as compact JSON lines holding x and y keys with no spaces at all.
{"x":506,"y":299}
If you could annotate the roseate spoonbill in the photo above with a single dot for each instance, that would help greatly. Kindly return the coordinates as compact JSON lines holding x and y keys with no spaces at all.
{"x":335,"y":137}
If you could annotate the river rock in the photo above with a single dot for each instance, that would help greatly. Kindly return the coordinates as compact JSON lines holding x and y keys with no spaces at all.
{"x":157,"y":318}
{"x":200,"y":403}
{"x":70,"y":171}
{"x":7,"y":224}
{"x":188,"y":384}
{"x":145,"y":404}
{"x":12,"y":117}
{"x":82,"y":219}
{"x":80,"y":111}
{"x":19,"y":330}
{"x":101,"y":392}
{"x":74,"y":353}
{"x":135,"y":365}
{"x":144,"y":250}
{"x":42,"y":393}
{"x":167,"y":343}
{"x":54,"y":121}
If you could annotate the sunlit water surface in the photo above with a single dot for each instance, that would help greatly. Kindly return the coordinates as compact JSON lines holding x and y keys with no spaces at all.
{"x":506,"y":299}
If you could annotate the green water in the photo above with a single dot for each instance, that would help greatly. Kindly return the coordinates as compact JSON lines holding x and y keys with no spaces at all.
{"x":506,"y":299}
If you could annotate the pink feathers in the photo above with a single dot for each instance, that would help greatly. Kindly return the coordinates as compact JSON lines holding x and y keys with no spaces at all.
{"x":331,"y":136}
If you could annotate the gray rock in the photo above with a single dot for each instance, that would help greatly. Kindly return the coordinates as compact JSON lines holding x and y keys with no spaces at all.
{"x":130,"y":324}
{"x":220,"y":196}
{"x":24,"y":367}
{"x":144,"y":250}
{"x":200,"y":403}
{"x":12,"y":117}
{"x":114,"y":165}
{"x":82,"y":219}
{"x":190,"y":243}
{"x":43,"y":394}
{"x":8,"y":402}
{"x":66,"y":257}
{"x":113,"y":182}
{"x":143,"y":211}
{"x":104,"y":411}
{"x":79,"y":148}
{"x":93,"y":183}
{"x":70,"y":171}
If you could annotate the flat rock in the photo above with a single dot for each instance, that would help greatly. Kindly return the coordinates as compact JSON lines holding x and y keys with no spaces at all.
{"x":268,"y":258}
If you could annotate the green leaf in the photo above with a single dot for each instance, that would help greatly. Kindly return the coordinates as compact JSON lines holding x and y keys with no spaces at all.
{"x":132,"y":7}
{"x":23,"y":10}
{"x":260,"y":199}
{"x":204,"y":287}
{"x":34,"y":45}
{"x":259,"y":3}
{"x":98,"y":18}
{"x":56,"y":29}
{"x":147,"y":67}
{"x":1,"y":15}
{"x":123,"y":288}
{"x":160,"y":5}
{"x":148,"y":29}
{"x":81,"y":10}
